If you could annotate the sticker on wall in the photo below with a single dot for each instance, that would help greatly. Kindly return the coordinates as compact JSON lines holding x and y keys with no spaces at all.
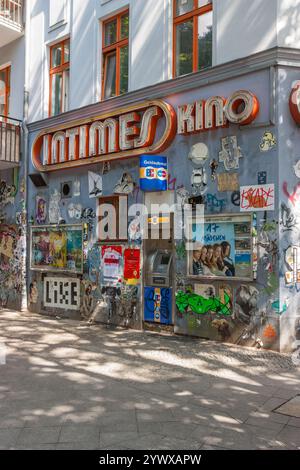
{"x":75,"y":211}
{"x":76,"y":187}
{"x":257,"y":198}
{"x":236,"y":198}
{"x":153,"y":173}
{"x":106,"y":168}
{"x":54,"y":209}
{"x":297,"y":169}
{"x":95,"y":185}
{"x":231,"y":153}
{"x":112,"y":264}
{"x":228,"y":182}
{"x":132,"y":264}
{"x":199,"y":154}
{"x":41,"y":210}
{"x":214,"y":165}
{"x":125,"y":185}
{"x":62,"y":293}
{"x":268,"y":142}
{"x":262,"y":177}
{"x":199,"y":182}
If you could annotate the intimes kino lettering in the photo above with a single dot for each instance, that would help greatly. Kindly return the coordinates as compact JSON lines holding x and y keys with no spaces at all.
{"x":146,"y":128}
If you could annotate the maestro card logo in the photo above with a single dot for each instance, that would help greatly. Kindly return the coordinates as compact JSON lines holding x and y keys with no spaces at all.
{"x":154,"y":173}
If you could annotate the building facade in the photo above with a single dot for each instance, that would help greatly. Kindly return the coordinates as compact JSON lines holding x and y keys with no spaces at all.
{"x":179,"y":124}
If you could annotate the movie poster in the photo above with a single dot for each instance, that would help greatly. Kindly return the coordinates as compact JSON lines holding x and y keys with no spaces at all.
{"x":222,"y":247}
{"x":57,"y":248}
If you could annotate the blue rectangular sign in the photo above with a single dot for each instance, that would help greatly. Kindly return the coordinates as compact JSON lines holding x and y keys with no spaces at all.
{"x":153,"y":173}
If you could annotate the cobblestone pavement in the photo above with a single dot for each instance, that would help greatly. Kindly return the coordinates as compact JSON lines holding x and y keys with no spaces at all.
{"x":66,"y":385}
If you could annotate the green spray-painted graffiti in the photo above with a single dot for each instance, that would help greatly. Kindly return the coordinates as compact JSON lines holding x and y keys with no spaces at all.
{"x":197,"y":304}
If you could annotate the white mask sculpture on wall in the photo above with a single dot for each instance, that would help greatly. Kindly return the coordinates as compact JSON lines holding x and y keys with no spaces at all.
{"x":268,"y":142}
{"x":125,"y":185}
{"x":297,"y":169}
{"x":95,"y":185}
{"x":54,"y":209}
{"x":199,"y":154}
{"x":231,"y":153}
{"x":75,"y":211}
{"x":76,"y":187}
{"x":199,"y":182}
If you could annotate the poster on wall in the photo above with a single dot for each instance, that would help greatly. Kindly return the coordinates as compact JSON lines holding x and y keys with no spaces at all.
{"x":41,"y":210}
{"x":132,"y":261}
{"x":57,"y":248}
{"x":112,"y":264}
{"x":257,"y":198}
{"x":222,"y":247}
{"x":153,"y":173}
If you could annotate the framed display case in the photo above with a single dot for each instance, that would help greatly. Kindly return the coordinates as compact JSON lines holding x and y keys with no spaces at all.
{"x":57,"y":248}
{"x":221,"y":248}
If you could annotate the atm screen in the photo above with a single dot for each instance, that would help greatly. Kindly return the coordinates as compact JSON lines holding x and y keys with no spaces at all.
{"x":165,"y":260}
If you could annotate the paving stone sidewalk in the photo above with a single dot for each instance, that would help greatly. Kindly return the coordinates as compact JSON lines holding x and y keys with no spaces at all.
{"x":66,"y":385}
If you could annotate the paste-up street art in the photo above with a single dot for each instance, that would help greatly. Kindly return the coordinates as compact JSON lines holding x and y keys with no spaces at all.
{"x":135,"y":230}
{"x":199,"y":154}
{"x":297,"y":169}
{"x":54,"y":209}
{"x":94,"y":264}
{"x":76,"y":187}
{"x":214,"y":165}
{"x":213,"y":204}
{"x":95,"y":185}
{"x":292,"y":261}
{"x":246,"y":299}
{"x":236,"y":198}
{"x":268,"y":142}
{"x":199,"y":182}
{"x":33,"y":293}
{"x":41,"y":210}
{"x":106,"y":168}
{"x":228,"y":182}
{"x":258,"y":198}
{"x":86,"y":308}
{"x":230,"y":154}
{"x":125,"y":185}
{"x":294,"y":196}
{"x":289,"y":221}
{"x":7,"y":193}
{"x":62,"y":293}
{"x":182,"y":196}
{"x":75,"y":211}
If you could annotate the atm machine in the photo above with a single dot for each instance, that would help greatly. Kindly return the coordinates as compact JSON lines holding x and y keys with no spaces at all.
{"x":158,"y":281}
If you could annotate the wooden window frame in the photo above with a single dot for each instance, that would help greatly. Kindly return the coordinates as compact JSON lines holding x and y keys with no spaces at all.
{"x":63,"y":67}
{"x":193,"y":14}
{"x":6,"y":93}
{"x":113,"y":48}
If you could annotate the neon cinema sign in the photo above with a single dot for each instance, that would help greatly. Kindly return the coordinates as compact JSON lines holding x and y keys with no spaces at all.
{"x":145,"y":128}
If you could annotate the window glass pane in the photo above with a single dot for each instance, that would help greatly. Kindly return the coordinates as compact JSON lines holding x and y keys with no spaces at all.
{"x":184,"y":6}
{"x":67,"y":52}
{"x":110,"y":34}
{"x":202,"y":3}
{"x":124,"y":70}
{"x":2,"y":105}
{"x":56,"y":56}
{"x":56,"y":94}
{"x":125,"y":26}
{"x":110,"y":76}
{"x":205,"y":40}
{"x":66,"y":91}
{"x":2,"y":81}
{"x":184,"y":48}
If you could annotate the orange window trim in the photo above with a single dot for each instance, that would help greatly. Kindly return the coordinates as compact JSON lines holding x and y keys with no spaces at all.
{"x":193,"y":14}
{"x":113,"y":48}
{"x":58,"y":70}
{"x":6,"y":92}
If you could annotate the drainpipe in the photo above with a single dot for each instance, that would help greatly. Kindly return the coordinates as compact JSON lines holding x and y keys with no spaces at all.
{"x":26,"y":153}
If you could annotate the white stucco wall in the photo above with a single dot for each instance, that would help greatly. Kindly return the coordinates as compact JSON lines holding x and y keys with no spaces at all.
{"x":241,"y":28}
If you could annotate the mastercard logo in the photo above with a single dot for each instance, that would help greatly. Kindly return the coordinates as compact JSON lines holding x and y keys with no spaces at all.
{"x":151,"y":173}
